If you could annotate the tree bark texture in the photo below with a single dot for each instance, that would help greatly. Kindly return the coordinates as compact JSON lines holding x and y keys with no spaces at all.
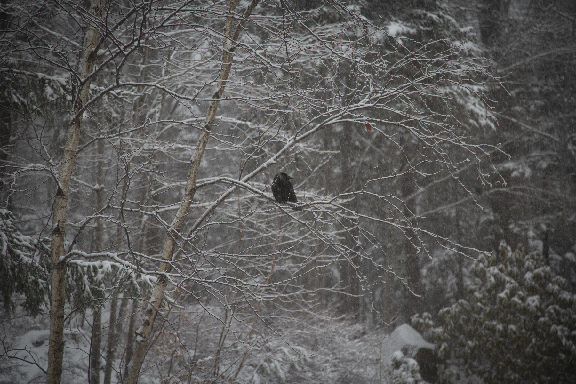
{"x":95,"y":343}
{"x":96,"y":340}
{"x":5,"y":134}
{"x":350,"y":299}
{"x":145,"y":329}
{"x":60,"y":207}
{"x":112,"y":341}
{"x":413,"y":301}
{"x":131,"y":336}
{"x":115,"y":322}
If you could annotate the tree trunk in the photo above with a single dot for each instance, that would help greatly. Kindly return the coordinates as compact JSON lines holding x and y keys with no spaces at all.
{"x":131,"y":337}
{"x":350,"y":299}
{"x":115,"y":326}
{"x":5,"y":133}
{"x":155,"y":302}
{"x":391,"y":256}
{"x":5,"y":123}
{"x":112,"y":341}
{"x":413,"y":302}
{"x":492,"y":15}
{"x":96,"y":340}
{"x":60,"y":207}
{"x":115,"y":323}
{"x":95,"y":343}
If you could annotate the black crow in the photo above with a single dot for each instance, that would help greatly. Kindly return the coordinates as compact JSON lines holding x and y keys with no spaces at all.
{"x":282,"y":188}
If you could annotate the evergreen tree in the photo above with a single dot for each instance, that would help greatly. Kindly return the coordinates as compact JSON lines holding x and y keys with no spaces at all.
{"x":24,"y":268}
{"x":516,"y":323}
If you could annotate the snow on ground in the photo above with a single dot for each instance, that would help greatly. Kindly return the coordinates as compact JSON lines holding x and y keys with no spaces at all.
{"x":24,"y":350}
{"x":404,"y":336}
{"x":318,"y":349}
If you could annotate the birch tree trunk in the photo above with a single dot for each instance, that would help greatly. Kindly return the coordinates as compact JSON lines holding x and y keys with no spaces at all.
{"x":143,"y":333}
{"x":60,"y":207}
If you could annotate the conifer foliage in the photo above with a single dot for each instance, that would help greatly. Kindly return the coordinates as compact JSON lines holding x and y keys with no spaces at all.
{"x":24,"y":266}
{"x":516,"y":324}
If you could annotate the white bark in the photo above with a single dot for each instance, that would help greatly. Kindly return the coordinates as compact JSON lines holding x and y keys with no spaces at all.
{"x":143,"y":333}
{"x":60,"y":208}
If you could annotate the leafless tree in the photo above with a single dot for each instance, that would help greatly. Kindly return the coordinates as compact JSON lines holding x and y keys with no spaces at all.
{"x":197,"y":105}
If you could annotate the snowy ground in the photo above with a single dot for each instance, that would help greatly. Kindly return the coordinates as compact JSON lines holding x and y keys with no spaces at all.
{"x":313,"y":350}
{"x":25,"y":350}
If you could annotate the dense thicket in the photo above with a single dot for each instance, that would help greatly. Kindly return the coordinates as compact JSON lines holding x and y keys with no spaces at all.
{"x":515,"y":323}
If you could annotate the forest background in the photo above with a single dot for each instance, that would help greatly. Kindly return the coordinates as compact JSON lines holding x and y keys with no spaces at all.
{"x":433,"y":150}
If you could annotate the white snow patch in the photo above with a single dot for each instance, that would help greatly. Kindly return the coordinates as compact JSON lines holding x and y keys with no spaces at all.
{"x":518,"y":169}
{"x":30,"y":352}
{"x":378,"y":37}
{"x":397,"y":357}
{"x":467,"y":46}
{"x":404,"y":336}
{"x":398,"y":29}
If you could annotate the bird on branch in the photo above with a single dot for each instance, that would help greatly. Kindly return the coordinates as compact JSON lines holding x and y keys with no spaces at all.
{"x":282,"y":189}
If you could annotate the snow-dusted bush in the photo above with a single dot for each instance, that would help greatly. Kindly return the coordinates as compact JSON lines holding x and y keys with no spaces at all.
{"x":23,"y":268}
{"x":278,"y":363}
{"x":404,"y":370}
{"x":516,"y":324}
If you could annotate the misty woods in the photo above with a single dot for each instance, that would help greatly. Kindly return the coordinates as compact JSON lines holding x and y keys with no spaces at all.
{"x":144,"y":240}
